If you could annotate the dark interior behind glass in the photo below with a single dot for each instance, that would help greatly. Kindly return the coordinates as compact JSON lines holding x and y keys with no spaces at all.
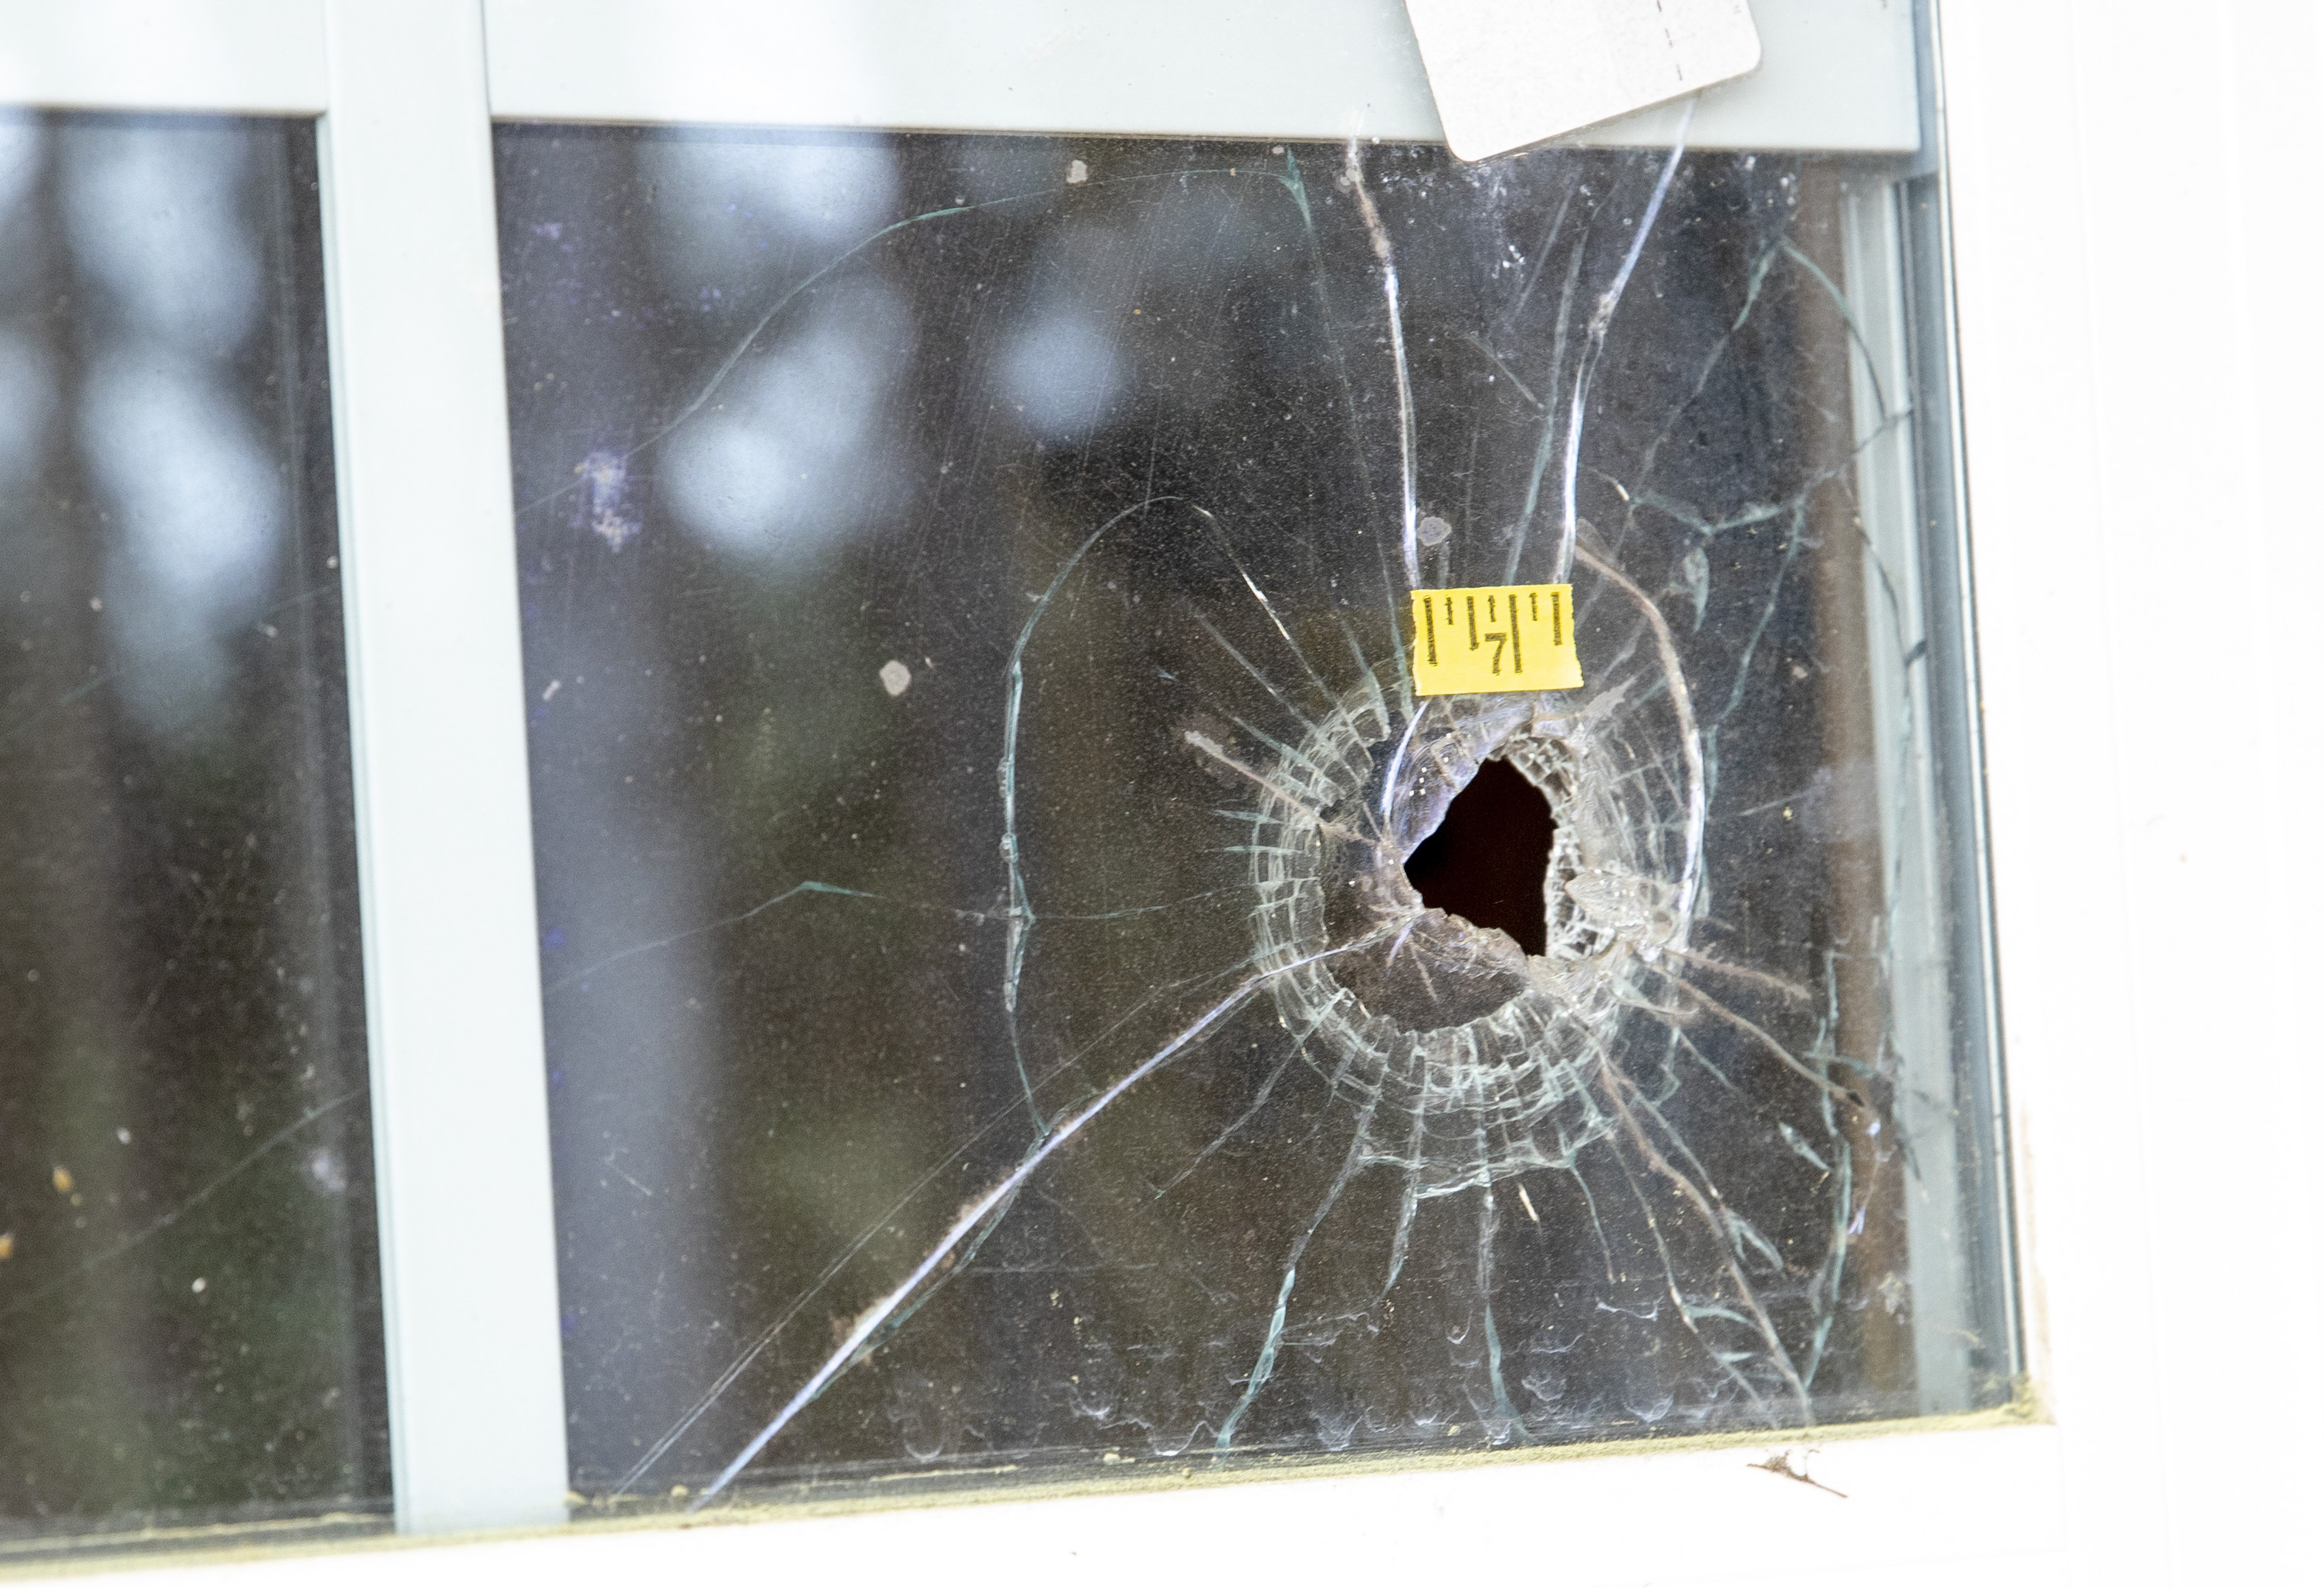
{"x":190,"y":1326}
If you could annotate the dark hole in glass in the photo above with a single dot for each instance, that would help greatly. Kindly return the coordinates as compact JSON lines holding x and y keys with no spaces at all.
{"x":1488,"y":860}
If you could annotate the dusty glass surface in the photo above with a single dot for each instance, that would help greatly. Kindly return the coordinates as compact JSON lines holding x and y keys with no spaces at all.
{"x":991,"y":1019}
{"x":189,"y":1328}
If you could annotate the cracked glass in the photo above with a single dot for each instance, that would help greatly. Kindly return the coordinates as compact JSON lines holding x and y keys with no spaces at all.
{"x":189,"y":1289}
{"x":1031,"y":989}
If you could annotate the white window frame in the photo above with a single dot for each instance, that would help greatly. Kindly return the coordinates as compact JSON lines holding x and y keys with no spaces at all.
{"x":2134,"y":226}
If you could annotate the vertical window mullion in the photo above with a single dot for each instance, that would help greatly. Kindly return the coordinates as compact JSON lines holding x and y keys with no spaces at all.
{"x":468,"y":1255}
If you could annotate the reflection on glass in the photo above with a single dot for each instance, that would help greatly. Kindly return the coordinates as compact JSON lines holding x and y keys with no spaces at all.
{"x":991,"y":1017}
{"x":189,"y":1328}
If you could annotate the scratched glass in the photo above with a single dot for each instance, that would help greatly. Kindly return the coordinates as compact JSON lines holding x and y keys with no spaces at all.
{"x":1030,"y":983}
{"x":188,"y":1295}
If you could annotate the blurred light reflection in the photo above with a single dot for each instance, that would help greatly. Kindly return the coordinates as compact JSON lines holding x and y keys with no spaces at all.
{"x":779,"y":469}
{"x":1061,"y":375}
{"x":159,"y":222}
{"x":196,"y":508}
{"x":739,"y":199}
{"x":198,"y":514}
{"x":27,"y":395}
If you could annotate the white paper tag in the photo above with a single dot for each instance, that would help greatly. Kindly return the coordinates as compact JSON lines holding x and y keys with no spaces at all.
{"x":1506,"y":73}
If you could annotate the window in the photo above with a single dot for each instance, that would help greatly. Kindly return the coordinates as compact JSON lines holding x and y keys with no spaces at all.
{"x":188,"y":1273}
{"x":973,"y":573}
{"x":870,"y":829}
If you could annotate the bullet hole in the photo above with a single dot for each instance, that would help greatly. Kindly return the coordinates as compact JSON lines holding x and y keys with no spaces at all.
{"x":1488,"y":861}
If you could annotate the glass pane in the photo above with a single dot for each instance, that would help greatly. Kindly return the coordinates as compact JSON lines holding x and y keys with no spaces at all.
{"x":189,"y":1294}
{"x":1030,"y":984}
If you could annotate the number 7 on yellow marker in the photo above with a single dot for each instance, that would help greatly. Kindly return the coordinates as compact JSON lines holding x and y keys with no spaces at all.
{"x":1494,"y":639}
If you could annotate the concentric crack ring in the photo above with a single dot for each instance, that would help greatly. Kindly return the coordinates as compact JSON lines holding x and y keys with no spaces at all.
{"x":1468,"y":1060}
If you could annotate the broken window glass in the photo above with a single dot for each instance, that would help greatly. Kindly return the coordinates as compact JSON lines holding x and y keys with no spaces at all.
{"x":1031,"y":987}
{"x":188,"y":1287}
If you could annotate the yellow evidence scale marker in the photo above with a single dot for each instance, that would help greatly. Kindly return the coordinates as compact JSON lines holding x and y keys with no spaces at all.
{"x":1494,"y":639}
